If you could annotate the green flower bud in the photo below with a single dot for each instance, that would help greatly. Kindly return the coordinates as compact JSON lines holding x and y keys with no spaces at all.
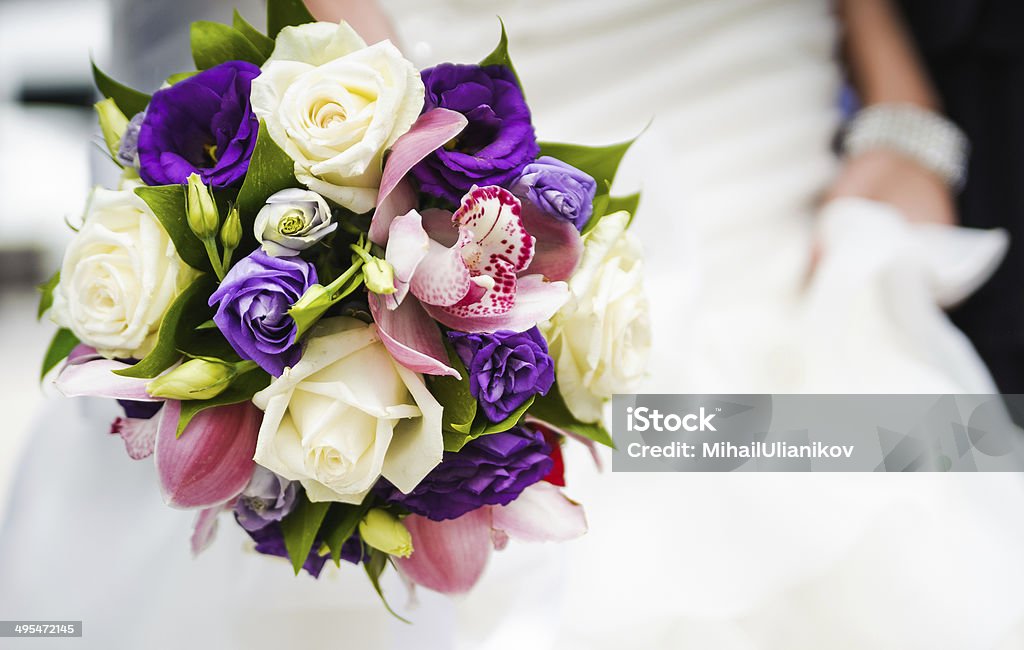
{"x":379,"y":276}
{"x":112,"y":122}
{"x":384,"y":532}
{"x":201,"y":209}
{"x":194,"y":379}
{"x":231,"y":231}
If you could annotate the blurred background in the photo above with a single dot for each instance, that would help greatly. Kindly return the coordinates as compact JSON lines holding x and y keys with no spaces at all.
{"x":47,"y":138}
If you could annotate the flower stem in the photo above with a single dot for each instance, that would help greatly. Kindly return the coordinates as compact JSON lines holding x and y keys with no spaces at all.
{"x":211,"y":251}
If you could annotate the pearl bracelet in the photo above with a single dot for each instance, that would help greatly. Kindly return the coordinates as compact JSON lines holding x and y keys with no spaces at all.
{"x":922,"y":135}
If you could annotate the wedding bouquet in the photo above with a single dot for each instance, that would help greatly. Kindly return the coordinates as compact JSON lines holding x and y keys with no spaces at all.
{"x":358,"y":305}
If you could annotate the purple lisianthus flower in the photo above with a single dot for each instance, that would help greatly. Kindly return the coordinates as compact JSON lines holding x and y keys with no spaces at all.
{"x":270,"y":541}
{"x":128,"y":148}
{"x":491,"y":470}
{"x":266,"y":499}
{"x":252,"y":308}
{"x":505,"y":368}
{"x":203,"y":124}
{"x":558,"y":189}
{"x":496,"y":144}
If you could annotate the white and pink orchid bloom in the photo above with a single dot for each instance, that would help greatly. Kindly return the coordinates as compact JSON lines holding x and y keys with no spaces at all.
{"x":450,"y":556}
{"x":504,"y":297}
{"x":468,"y":270}
{"x":209,"y":464}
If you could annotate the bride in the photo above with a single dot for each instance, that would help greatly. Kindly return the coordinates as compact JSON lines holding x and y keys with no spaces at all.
{"x":773,"y":266}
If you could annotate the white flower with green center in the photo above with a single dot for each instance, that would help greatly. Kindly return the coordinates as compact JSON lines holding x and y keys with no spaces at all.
{"x":292,"y":221}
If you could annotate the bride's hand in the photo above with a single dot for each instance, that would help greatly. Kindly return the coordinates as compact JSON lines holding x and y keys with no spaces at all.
{"x":887,"y":176}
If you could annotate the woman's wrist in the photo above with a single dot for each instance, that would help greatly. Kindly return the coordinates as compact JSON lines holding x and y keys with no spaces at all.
{"x":925,"y":136}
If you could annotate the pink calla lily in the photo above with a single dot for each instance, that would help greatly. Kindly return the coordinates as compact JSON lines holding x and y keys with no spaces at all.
{"x":211,"y":462}
{"x":450,"y":556}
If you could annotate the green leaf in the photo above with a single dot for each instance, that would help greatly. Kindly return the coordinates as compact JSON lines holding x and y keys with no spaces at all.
{"x":552,"y":409}
{"x":181,"y":76}
{"x":455,"y":441}
{"x":500,"y":55}
{"x":300,"y":529}
{"x":341,"y":523}
{"x":168,"y":204}
{"x":240,"y":390}
{"x":484,"y":427}
{"x":601,"y":163}
{"x":283,"y":13}
{"x":261,"y":41}
{"x":187,"y":311}
{"x":374,"y":567}
{"x":214,"y":43}
{"x":46,"y":294}
{"x":270,"y":171}
{"x":604,"y":205}
{"x":60,"y":347}
{"x":628,"y":203}
{"x":454,"y":395}
{"x":129,"y":100}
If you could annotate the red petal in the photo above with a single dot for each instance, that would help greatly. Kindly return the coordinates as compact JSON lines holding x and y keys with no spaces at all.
{"x":557,"y":474}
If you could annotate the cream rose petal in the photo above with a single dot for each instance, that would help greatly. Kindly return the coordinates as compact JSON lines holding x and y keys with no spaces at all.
{"x":345,"y":414}
{"x":316,"y":43}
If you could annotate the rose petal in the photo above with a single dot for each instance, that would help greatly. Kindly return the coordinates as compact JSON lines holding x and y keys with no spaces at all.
{"x":96,"y":378}
{"x":540,"y":514}
{"x":536,"y":301}
{"x":139,"y":435}
{"x":212,"y":460}
{"x":559,"y":245}
{"x":448,"y":556}
{"x":411,"y":337}
{"x":431,"y":131}
{"x":417,"y":445}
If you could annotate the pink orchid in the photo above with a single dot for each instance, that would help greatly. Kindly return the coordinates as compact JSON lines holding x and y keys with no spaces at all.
{"x":466,"y":269}
{"x":522,"y":286}
{"x":450,"y":556}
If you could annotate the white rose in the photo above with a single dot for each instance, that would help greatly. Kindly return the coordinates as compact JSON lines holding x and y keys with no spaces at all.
{"x":120,"y":274}
{"x":347,"y":414}
{"x":601,"y":339}
{"x":335,"y":105}
{"x":292,"y":221}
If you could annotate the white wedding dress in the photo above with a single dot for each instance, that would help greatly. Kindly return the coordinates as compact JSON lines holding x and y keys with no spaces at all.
{"x":743,"y":96}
